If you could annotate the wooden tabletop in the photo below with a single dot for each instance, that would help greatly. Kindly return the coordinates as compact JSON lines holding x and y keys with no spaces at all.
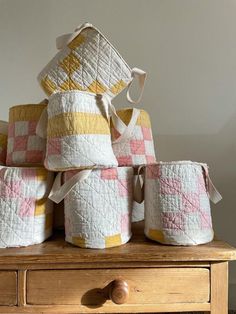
{"x":139,"y":249}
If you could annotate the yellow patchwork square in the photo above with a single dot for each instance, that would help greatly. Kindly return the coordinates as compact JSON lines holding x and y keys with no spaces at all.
{"x":76,"y":42}
{"x":96,"y":87}
{"x":78,"y":241}
{"x":113,"y":240}
{"x":40,"y":207}
{"x":118,"y":87}
{"x":156,"y":235}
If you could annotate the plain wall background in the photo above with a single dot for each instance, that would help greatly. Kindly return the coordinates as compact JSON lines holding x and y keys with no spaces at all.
{"x":188,"y":48}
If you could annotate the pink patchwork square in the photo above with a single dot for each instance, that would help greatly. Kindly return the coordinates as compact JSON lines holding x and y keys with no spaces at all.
{"x":137,"y":147}
{"x":32,"y":127}
{"x":20,"y":143}
{"x":170,"y":186}
{"x":173,"y":221}
{"x":34,"y":156}
{"x":201,"y":184}
{"x":190,"y":202}
{"x":147,"y":134}
{"x":28,"y":173}
{"x":11,"y":189}
{"x":150,"y":159}
{"x":11,"y":130}
{"x":125,"y":160}
{"x":54,"y":146}
{"x":125,"y":223}
{"x":206,"y":221}
{"x":27,"y":207}
{"x":123,"y":187}
{"x":115,"y":134}
{"x":153,"y":171}
{"x":109,"y":174}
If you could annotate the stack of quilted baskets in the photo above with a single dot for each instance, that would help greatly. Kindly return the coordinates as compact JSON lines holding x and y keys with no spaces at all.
{"x":95,"y":165}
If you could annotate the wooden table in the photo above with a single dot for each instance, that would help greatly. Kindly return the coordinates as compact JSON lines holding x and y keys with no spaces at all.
{"x":141,"y":276}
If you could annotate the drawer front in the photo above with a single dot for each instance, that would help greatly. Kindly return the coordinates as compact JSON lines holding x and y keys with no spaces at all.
{"x":8,"y":288}
{"x":93,"y":287}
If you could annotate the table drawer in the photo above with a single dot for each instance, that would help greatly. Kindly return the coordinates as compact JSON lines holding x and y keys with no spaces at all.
{"x":132,"y":286}
{"x":8,"y":288}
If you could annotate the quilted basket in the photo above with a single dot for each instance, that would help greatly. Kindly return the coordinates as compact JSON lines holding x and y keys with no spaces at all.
{"x":177,"y":207}
{"x":24,"y":147}
{"x":78,"y":132}
{"x":133,"y":142}
{"x":98,"y":206}
{"x":25,"y":211}
{"x":87,"y":61}
{"x":3,"y":142}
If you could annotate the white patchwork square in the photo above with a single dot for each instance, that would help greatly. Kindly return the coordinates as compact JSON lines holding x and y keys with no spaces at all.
{"x":122,"y":149}
{"x":189,"y":185}
{"x":137,"y":133}
{"x":18,"y":157}
{"x":36,"y":143}
{"x":192,"y":221}
{"x":170,"y":203}
{"x":149,"y":148}
{"x":139,"y":160}
{"x":21,"y":128}
{"x":205,"y":203}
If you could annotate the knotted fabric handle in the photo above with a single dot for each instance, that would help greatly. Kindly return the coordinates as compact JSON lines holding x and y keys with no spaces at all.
{"x":213,"y":193}
{"x":139,"y":186}
{"x":141,"y":76}
{"x":65,"y":39}
{"x":59,"y":192}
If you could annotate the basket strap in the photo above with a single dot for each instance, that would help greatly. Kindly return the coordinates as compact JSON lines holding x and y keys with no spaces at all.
{"x":59,"y":192}
{"x":139,"y":186}
{"x":141,"y":75}
{"x":65,"y":39}
{"x":41,"y":128}
{"x":212,"y":191}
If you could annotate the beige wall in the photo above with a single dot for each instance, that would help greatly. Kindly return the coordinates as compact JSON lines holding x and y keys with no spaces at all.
{"x":188,"y":48}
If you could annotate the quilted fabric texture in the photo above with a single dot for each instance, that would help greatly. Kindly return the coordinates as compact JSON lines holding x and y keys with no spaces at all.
{"x":25,"y":211}
{"x":177,"y":207}
{"x":3,"y":142}
{"x":24,"y":147}
{"x":139,"y":148}
{"x":78,"y":134}
{"x":98,"y":209}
{"x":88,"y":63}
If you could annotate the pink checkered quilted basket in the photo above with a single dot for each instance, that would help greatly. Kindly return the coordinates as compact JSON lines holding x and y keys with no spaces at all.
{"x":177,"y":206}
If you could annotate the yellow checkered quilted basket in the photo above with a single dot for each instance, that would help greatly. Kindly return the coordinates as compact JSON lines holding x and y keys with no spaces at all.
{"x":87,"y":61}
{"x":3,"y":142}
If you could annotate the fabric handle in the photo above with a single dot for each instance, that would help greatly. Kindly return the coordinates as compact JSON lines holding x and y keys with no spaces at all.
{"x":65,"y":39}
{"x":141,"y":76}
{"x":213,"y":193}
{"x":139,"y":186}
{"x":41,"y":128}
{"x":59,"y":192}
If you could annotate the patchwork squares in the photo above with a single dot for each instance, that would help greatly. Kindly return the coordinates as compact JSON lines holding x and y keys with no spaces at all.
{"x":138,"y":148}
{"x":177,"y":206}
{"x":24,"y":147}
{"x":78,"y":132}
{"x":26,"y":213}
{"x":98,"y":208}
{"x":87,"y":62}
{"x":3,"y":142}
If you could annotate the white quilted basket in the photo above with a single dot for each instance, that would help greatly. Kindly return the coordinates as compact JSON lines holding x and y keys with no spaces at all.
{"x":98,"y":206}
{"x":25,"y":210}
{"x":87,"y":61}
{"x":3,"y":142}
{"x":177,"y":207}
{"x":78,"y":132}
{"x":132,"y":139}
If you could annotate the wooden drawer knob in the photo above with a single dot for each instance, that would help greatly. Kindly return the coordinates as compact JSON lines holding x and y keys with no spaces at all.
{"x":119,"y":291}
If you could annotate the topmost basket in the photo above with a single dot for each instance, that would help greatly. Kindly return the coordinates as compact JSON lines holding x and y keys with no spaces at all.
{"x":87,"y":61}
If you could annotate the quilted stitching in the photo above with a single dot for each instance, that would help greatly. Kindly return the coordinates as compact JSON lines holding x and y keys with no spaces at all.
{"x":88,"y":63}
{"x":181,"y":202}
{"x":20,"y":191}
{"x":96,"y":212}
